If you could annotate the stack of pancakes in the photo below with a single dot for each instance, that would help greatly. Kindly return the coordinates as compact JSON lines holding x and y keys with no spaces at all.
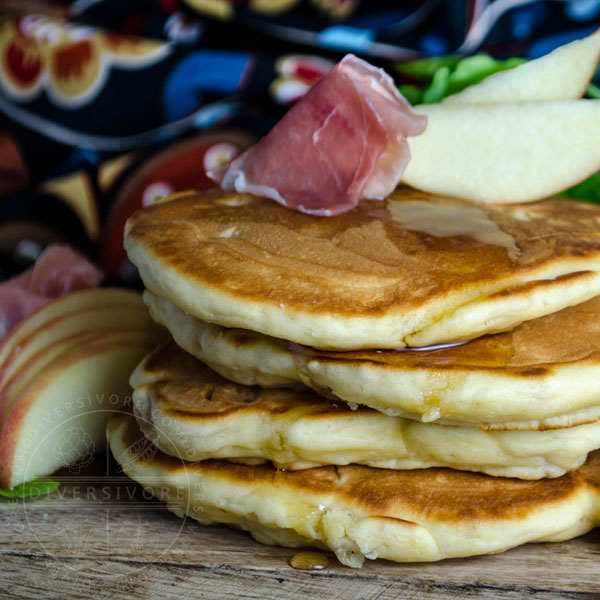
{"x":414,"y":380}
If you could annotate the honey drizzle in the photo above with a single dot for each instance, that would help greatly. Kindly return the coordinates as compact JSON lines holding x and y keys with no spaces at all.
{"x":445,"y":220}
{"x":309,"y":561}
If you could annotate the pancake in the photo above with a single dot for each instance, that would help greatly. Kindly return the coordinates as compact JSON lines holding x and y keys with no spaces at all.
{"x":191,"y":412}
{"x":543,"y":374}
{"x":413,"y":270}
{"x":358,"y":512}
{"x":239,"y":354}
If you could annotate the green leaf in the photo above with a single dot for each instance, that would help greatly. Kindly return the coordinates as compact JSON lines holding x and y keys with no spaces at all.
{"x":437,"y":89}
{"x":412,"y":93}
{"x":511,"y":63}
{"x":30,"y":489}
{"x":448,"y":75}
{"x":474,"y":69}
{"x":593,"y":91}
{"x":424,"y":70}
{"x":589,"y":189}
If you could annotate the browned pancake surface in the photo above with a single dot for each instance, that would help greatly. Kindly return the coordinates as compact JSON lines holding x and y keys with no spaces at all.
{"x":368,"y":278}
{"x":191,"y":412}
{"x":363,"y":262}
{"x":185,"y":387}
{"x":533,"y":349}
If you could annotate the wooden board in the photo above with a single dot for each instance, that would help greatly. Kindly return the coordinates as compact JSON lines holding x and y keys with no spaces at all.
{"x":99,"y":537}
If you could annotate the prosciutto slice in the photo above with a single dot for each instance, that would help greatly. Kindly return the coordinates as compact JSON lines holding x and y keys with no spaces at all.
{"x":345,"y":140}
{"x":57,"y":271}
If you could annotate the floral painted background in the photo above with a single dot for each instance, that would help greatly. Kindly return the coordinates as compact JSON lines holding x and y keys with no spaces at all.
{"x":107,"y":104}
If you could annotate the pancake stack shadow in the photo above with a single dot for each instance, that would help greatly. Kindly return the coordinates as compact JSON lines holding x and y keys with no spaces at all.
{"x":414,"y":380}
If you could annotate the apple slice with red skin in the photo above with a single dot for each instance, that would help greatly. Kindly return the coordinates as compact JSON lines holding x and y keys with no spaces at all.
{"x":63,"y":306}
{"x":66,"y":406}
{"x":39,"y":361}
{"x":95,"y":317}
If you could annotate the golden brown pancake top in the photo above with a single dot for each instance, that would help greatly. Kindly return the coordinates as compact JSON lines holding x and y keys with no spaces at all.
{"x":533,"y":349}
{"x":361,"y":262}
{"x":184,"y":387}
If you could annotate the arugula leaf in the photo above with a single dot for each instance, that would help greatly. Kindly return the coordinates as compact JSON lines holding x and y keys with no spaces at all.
{"x":30,"y":489}
{"x":424,"y":70}
{"x":593,"y":91}
{"x":438,"y":87}
{"x":445,"y":75}
{"x":474,"y":69}
{"x":589,"y":189}
{"x":412,"y":93}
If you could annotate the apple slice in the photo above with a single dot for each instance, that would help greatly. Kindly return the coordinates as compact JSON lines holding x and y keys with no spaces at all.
{"x":505,"y":152}
{"x":61,"y":414}
{"x":63,"y":306}
{"x":39,"y":361}
{"x":563,"y":74}
{"x":95,"y":317}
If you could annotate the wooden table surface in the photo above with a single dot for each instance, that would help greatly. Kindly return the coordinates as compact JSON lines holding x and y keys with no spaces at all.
{"x":98,"y":537}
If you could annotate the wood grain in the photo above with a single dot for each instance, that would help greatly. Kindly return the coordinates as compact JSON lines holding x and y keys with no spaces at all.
{"x":98,"y":537}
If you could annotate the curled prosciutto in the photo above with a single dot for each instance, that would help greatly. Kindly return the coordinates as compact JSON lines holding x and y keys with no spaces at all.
{"x":57,"y":271}
{"x":345,"y":140}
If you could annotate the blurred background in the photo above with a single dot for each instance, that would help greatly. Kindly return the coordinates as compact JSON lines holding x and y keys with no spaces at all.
{"x":108,"y":104}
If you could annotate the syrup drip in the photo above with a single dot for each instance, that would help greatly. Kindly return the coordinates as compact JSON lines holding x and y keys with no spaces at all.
{"x":309,"y":561}
{"x":442,"y":220}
